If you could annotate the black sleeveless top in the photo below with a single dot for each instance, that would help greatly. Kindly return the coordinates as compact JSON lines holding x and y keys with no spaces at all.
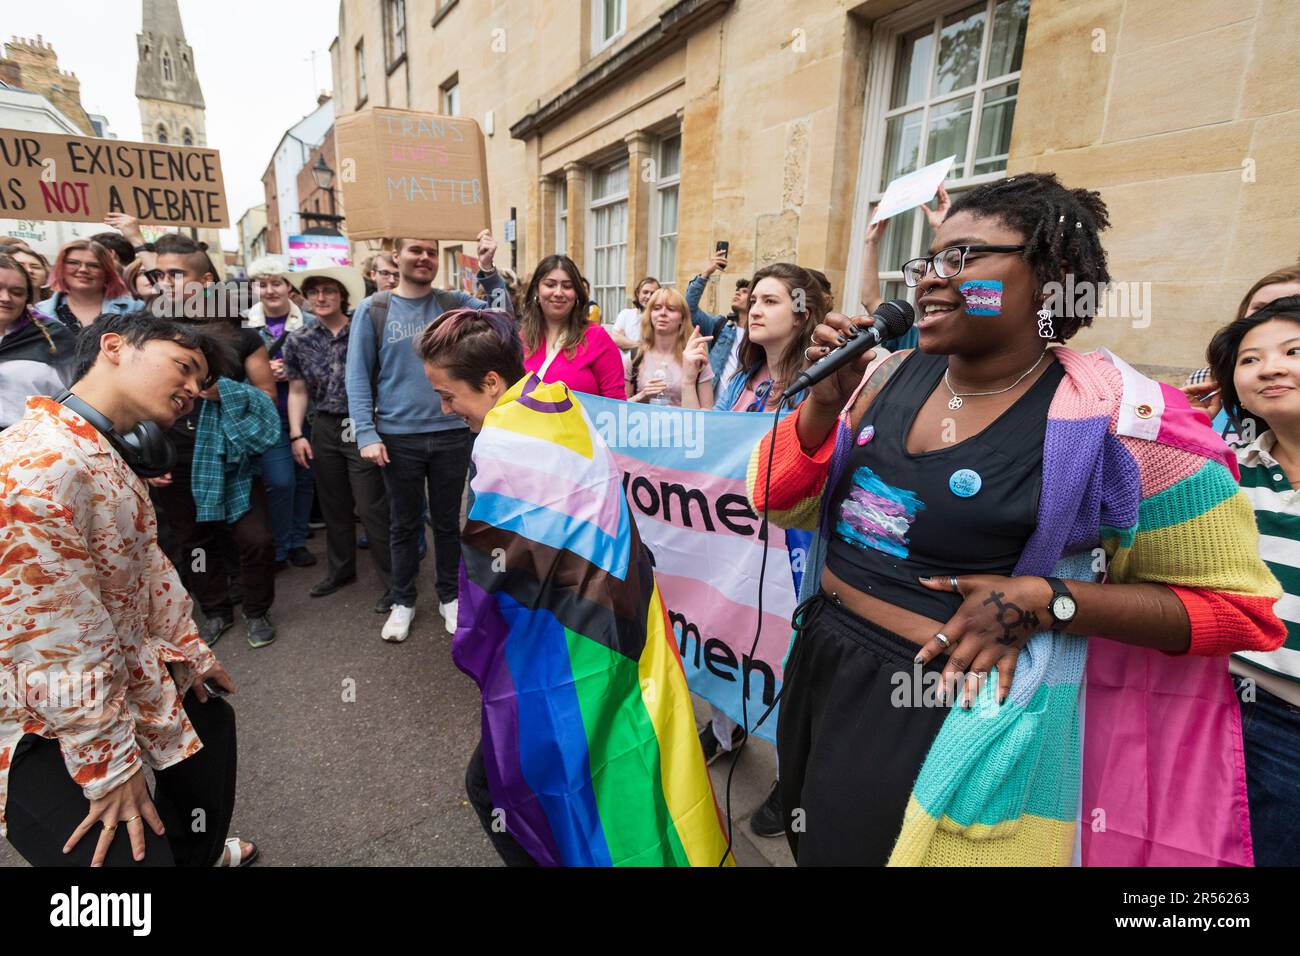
{"x":965,"y":509}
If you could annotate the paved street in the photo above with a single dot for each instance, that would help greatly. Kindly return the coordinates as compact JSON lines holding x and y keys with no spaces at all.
{"x":377,"y":782}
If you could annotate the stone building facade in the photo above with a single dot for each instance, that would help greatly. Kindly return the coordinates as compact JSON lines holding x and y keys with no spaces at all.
{"x":33,"y":65}
{"x":634,"y":134}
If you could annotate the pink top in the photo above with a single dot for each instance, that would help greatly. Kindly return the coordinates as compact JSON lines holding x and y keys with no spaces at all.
{"x":596,"y":367}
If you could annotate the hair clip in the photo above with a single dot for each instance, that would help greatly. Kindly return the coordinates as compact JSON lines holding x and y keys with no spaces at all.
{"x":1062,"y":219}
{"x":1077,"y":224}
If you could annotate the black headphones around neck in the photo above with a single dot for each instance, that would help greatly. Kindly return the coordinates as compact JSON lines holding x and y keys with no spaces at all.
{"x":146,"y":448}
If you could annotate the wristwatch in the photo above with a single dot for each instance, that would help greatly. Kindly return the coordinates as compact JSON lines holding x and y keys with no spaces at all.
{"x":143,"y":247}
{"x":1062,"y":606}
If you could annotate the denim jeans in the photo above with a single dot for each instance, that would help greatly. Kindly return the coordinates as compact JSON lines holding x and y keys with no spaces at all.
{"x":440,"y":461}
{"x":289,"y":491}
{"x":1271,"y":728}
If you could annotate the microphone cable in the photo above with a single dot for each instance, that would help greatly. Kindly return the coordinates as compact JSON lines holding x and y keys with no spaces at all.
{"x":758,"y":631}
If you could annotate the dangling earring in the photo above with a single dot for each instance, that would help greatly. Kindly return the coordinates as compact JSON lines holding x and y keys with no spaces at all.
{"x":1046,"y":330}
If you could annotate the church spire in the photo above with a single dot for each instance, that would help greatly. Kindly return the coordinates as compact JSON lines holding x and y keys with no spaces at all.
{"x":163,"y":18}
{"x":165,"y":69}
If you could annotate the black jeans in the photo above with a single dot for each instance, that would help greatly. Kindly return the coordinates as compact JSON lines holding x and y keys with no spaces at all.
{"x":203,"y":550}
{"x":851,"y":738}
{"x":440,"y":461}
{"x":346,"y":484}
{"x":45,"y":805}
{"x":480,"y":798}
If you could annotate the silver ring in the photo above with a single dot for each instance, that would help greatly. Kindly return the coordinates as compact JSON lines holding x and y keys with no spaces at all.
{"x":806,"y":356}
{"x":953,"y":581}
{"x":943,"y":639}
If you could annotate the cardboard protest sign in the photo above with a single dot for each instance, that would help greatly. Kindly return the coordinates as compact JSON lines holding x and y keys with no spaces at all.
{"x":413,"y":175}
{"x":53,"y":177}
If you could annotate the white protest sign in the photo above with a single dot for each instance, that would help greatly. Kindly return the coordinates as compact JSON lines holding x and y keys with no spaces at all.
{"x":912,"y":189}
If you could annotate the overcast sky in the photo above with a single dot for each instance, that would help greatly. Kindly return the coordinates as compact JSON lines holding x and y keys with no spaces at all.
{"x":254,"y":59}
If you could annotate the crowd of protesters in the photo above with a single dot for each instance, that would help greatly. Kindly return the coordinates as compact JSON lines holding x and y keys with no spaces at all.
{"x":325,"y":405}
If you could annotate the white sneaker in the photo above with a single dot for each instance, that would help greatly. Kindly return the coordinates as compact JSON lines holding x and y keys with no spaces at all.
{"x":449,"y":615}
{"x":398,"y":624}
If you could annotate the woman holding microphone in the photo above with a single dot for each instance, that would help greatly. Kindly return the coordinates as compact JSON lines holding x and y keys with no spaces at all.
{"x":968,"y":497}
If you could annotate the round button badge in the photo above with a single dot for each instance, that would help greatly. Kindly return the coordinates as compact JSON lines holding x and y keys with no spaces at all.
{"x":965,"y":483}
{"x":866,"y":435}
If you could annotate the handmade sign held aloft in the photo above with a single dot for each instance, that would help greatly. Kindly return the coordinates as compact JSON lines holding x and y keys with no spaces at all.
{"x":53,"y":177}
{"x":913,"y":189}
{"x":413,"y":175}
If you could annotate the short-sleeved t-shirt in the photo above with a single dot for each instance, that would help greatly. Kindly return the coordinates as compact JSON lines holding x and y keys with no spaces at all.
{"x":629,"y":323}
{"x":183,"y":431}
{"x":649,"y":368}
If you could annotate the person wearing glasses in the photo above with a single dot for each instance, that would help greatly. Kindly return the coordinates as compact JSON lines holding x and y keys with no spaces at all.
{"x":381,"y":273}
{"x":86,"y":285}
{"x":969,"y":498}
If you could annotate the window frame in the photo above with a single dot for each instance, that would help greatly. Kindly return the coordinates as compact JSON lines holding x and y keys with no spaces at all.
{"x":562,"y":216}
{"x":599,"y":42}
{"x":877,"y":111}
{"x":359,"y":64}
{"x":594,"y":206}
{"x":394,"y":58}
{"x":450,"y":89}
{"x":657,"y":234}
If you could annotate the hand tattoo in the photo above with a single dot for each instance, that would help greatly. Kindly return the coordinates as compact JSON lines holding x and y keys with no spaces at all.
{"x":1011,"y":618}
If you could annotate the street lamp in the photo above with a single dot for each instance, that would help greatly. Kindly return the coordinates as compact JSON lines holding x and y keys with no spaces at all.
{"x":324,"y":177}
{"x":321,"y":172}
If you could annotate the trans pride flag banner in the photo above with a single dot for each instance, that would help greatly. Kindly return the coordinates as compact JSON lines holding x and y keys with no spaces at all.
{"x":683,"y":472}
{"x":589,"y":739}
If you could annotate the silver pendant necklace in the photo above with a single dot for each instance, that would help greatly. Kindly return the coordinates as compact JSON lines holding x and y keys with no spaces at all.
{"x":956,"y":401}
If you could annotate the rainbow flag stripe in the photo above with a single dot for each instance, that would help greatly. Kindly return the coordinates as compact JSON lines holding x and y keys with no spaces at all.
{"x":589,"y":737}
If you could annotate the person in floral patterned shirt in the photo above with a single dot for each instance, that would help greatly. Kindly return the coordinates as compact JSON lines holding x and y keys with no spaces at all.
{"x":102,"y":670}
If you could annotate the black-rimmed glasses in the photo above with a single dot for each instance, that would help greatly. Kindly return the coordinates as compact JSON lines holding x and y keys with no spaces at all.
{"x":947,"y":262}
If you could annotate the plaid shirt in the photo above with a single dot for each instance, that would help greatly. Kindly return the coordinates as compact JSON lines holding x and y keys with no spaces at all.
{"x":317,"y":356}
{"x":232,"y":434}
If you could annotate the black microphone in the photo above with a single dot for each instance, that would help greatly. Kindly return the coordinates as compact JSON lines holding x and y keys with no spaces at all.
{"x":891,"y":320}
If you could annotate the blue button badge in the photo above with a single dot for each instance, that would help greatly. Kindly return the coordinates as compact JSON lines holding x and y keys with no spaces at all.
{"x":965,"y":483}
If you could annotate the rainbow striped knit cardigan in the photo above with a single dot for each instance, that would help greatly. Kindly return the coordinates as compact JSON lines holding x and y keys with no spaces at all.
{"x":1152,"y":773}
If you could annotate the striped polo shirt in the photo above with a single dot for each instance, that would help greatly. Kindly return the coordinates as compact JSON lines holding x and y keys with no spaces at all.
{"x":1277,"y":514}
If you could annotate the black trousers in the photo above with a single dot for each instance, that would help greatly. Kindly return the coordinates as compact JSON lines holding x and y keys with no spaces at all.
{"x":203,"y":550}
{"x":347,"y":484}
{"x":439,"y":460}
{"x":194,"y":798}
{"x":857,"y":720}
{"x":480,"y":798}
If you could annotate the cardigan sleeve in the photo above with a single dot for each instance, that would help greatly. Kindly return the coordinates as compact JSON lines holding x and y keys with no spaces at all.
{"x":1196,"y":534}
{"x":798,"y":479}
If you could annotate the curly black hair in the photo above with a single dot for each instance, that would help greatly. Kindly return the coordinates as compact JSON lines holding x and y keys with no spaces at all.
{"x":1061,"y":228}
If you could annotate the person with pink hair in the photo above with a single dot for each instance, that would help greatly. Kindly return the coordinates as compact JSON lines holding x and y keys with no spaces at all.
{"x":86,"y":285}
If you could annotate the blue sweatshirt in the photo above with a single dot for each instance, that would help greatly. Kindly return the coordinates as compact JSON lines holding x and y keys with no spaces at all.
{"x":407,"y":403}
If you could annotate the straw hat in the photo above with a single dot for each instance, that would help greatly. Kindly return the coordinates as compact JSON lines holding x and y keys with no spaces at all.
{"x":346,"y":276}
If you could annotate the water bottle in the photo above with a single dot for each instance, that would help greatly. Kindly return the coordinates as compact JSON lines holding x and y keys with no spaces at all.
{"x":660,"y":375}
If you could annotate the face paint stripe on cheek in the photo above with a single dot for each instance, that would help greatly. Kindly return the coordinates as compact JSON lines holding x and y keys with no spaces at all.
{"x":983,"y":296}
